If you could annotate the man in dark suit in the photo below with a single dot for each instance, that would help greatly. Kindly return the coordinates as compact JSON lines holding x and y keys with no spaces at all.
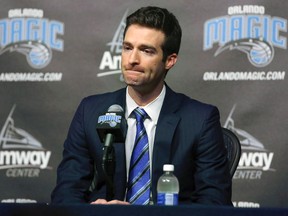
{"x":181,"y":131}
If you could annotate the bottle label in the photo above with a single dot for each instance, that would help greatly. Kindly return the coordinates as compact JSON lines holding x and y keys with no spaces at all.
{"x":167,"y":199}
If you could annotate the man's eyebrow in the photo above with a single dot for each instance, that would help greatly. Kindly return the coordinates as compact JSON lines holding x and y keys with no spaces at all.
{"x":145,"y":46}
{"x":126,"y":43}
{"x":142,"y":46}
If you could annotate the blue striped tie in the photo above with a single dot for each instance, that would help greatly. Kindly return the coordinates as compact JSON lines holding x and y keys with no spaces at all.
{"x":138,"y":190}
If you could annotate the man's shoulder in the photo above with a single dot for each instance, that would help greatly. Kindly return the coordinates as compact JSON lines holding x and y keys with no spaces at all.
{"x":186,"y":102}
{"x":196,"y":111}
{"x":106,"y":96}
{"x":200,"y":107}
{"x":101,"y":102}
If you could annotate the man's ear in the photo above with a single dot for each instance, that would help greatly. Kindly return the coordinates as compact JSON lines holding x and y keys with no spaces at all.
{"x":171,"y":61}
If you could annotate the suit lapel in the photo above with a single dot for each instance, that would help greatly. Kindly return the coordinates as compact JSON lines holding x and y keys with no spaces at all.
{"x":166,"y":126}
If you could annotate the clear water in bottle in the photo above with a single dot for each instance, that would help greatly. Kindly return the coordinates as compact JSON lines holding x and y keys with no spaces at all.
{"x":167,"y":187}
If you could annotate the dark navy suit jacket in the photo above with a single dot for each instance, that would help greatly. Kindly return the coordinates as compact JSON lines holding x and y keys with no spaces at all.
{"x":188,"y":135}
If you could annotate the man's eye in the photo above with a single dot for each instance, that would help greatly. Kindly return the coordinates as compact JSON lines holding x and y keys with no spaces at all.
{"x":148,"y":51}
{"x":127,"y":48}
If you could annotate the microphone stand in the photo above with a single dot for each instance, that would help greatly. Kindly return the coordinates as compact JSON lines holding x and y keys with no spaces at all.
{"x":108,"y":165}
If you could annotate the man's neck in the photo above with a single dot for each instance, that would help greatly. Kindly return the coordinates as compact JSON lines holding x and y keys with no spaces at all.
{"x":143,"y":98}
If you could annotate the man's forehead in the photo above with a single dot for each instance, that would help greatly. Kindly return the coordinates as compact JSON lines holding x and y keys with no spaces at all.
{"x":146,"y":35}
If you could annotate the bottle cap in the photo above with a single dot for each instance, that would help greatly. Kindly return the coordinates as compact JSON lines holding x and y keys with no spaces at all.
{"x":168,"y":167}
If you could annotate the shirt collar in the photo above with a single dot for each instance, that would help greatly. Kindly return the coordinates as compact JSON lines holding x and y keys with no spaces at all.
{"x":152,"y":109}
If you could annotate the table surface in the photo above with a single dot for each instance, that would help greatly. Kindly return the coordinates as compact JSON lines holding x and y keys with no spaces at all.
{"x":121,"y":210}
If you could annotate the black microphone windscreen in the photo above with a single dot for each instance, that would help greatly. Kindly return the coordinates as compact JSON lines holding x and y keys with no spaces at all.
{"x":115,"y":108}
{"x":113,"y":122}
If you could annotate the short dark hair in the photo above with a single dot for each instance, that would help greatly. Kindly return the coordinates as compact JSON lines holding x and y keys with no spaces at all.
{"x":160,"y":19}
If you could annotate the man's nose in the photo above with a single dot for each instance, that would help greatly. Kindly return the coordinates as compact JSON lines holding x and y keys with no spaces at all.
{"x":134,"y":57}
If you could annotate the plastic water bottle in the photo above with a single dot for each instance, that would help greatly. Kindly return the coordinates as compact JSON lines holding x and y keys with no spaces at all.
{"x":167,"y":187}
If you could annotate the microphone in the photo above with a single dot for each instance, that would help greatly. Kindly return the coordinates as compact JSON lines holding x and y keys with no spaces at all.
{"x":111,"y":126}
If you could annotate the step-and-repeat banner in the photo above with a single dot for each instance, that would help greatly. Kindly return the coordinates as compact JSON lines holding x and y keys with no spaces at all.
{"x":53,"y":53}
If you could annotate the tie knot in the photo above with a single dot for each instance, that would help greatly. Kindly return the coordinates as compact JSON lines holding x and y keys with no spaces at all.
{"x":140,"y":114}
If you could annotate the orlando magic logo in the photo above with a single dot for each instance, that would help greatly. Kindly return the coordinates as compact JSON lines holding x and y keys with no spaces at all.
{"x":28,"y":33}
{"x":38,"y":54}
{"x":110,"y":119}
{"x":250,"y":32}
{"x":260,"y":53}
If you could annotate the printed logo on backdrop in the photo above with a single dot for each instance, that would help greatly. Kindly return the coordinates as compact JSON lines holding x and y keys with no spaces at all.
{"x":248,"y":30}
{"x":111,"y":60}
{"x":21,"y":155}
{"x":28,"y":33}
{"x":255,"y":159}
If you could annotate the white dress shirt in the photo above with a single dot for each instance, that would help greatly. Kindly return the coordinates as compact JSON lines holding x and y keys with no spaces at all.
{"x":153,"y":111}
